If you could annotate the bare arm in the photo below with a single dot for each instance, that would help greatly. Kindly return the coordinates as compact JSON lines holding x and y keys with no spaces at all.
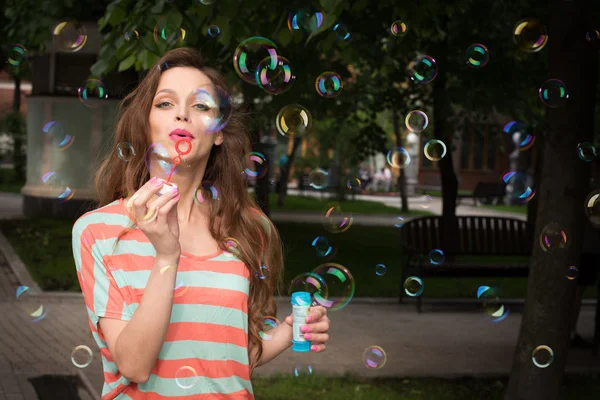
{"x":281,"y":340}
{"x":135,"y":344}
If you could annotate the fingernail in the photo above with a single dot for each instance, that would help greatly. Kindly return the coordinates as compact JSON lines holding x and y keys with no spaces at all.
{"x":153,"y":179}
{"x":309,"y":319}
{"x":174,"y":191}
{"x":313,"y":348}
{"x":158,"y":182}
{"x":304,"y":328}
{"x":307,"y":336}
{"x":177,"y":197}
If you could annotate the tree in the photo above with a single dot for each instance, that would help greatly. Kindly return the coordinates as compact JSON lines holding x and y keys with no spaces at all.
{"x":563,"y":187}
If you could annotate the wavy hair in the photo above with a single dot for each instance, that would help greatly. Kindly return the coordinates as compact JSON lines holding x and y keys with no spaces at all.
{"x":234,"y":214}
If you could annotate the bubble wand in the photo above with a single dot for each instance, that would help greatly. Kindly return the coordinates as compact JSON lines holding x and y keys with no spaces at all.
{"x":176,"y":161}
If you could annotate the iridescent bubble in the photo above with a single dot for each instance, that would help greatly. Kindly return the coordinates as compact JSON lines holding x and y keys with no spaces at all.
{"x":301,"y":370}
{"x":426,"y":202}
{"x":517,"y":186}
{"x":293,"y":120}
{"x":329,"y":84}
{"x":398,"y":157}
{"x":521,"y":134}
{"x":477,"y":55}
{"x":216,"y":108}
{"x":269,"y":323}
{"x":168,"y":34}
{"x":434,"y":150}
{"x":423,"y":69}
{"x":214,"y":31}
{"x":82,"y":356}
{"x":131,"y":34}
{"x":57,"y":186}
{"x":354,"y":184}
{"x":399,"y":28}
{"x":586,"y":151}
{"x":436,"y":256}
{"x":69,"y":36}
{"x":275,"y":80}
{"x":256,"y":165}
{"x":312,"y":283}
{"x":553,"y":237}
{"x":303,"y":20}
{"x":340,"y":286}
{"x":416,"y":121}
{"x":380,"y":269}
{"x":91,"y":90}
{"x":374,"y":357}
{"x":186,"y":377}
{"x":252,"y":52}
{"x":30,"y":305}
{"x":56,"y":131}
{"x":342,"y":33}
{"x":335,"y":220}
{"x":321,"y":246}
{"x":318,"y":178}
{"x":17,"y":54}
{"x":413,"y":286}
{"x":530,"y":35}
{"x":572,"y":272}
{"x":125,"y":151}
{"x":593,"y":36}
{"x":159,"y":161}
{"x":232,"y":246}
{"x":491,"y":303}
{"x":399,"y":222}
{"x":553,"y":93}
{"x":592,"y":207}
{"x":263,"y":272}
{"x":207,"y":2}
{"x":542,"y":356}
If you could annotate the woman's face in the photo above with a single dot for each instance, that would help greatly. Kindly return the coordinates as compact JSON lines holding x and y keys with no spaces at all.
{"x":183,"y":107}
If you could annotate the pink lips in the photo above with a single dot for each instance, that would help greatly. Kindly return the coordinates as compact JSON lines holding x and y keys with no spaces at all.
{"x":180,"y":133}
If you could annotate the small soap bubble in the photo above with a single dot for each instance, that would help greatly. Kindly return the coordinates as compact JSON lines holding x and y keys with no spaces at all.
{"x":434,"y":150}
{"x":423,"y":69}
{"x":301,"y":371}
{"x":335,"y":220}
{"x":329,"y":84}
{"x":214,"y":31}
{"x":521,"y":134}
{"x":166,"y":33}
{"x":542,"y":356}
{"x":303,"y":20}
{"x":593,"y":36}
{"x":256,"y":165}
{"x":186,"y":377}
{"x":586,"y":151}
{"x":57,"y":185}
{"x":354,"y":184}
{"x":30,"y":305}
{"x":342,"y":33}
{"x":125,"y":151}
{"x":436,"y":256}
{"x":490,"y":300}
{"x":17,"y":54}
{"x":82,"y":356}
{"x":293,"y":120}
{"x":426,"y":202}
{"x":374,"y":357}
{"x":340,"y":286}
{"x":530,"y":35}
{"x":321,"y":246}
{"x":399,"y":222}
{"x":477,"y":55}
{"x":218,"y":108}
{"x":380,"y":269}
{"x":269,"y":323}
{"x":232,"y":247}
{"x":275,"y":80}
{"x":413,"y":286}
{"x":399,"y":28}
{"x":416,"y":121}
{"x":207,"y":2}
{"x":57,"y":133}
{"x":572,"y":272}
{"x":398,"y":157}
{"x":157,"y":159}
{"x":263,"y":272}
{"x":517,"y":186}
{"x":69,"y":36}
{"x":250,"y":53}
{"x":553,"y":237}
{"x":131,"y":34}
{"x":553,"y":93}
{"x":318,"y":178}
{"x":312,"y":283}
{"x":592,"y":207}
{"x":91,"y":90}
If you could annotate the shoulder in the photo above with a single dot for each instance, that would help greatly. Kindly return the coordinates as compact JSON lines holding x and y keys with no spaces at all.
{"x":108,"y":217}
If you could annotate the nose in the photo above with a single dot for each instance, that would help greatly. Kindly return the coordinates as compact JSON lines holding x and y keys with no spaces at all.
{"x":183,"y":118}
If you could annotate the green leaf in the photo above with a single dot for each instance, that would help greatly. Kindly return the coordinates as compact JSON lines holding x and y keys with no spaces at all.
{"x":158,"y":8}
{"x":284,"y":37}
{"x":127,"y":63}
{"x":116,"y":16}
{"x":330,"y":5}
{"x":100,"y":67}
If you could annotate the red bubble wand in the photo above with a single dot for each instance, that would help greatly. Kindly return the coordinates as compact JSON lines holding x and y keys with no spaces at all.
{"x":177,"y":160}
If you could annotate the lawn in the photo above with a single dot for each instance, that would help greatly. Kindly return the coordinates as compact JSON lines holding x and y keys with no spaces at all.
{"x":343,"y":388}
{"x":8,"y":183}
{"x":44,"y":245}
{"x":514,"y":208}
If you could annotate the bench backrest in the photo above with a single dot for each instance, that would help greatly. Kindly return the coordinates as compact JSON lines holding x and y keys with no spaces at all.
{"x":478,"y":235}
{"x":483,"y":189}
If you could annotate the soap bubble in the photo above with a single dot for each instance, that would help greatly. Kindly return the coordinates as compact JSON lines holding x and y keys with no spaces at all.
{"x":205,"y":191}
{"x":329,"y":84}
{"x":398,"y":157}
{"x":69,"y":36}
{"x":17,"y":54}
{"x":354,"y":184}
{"x":416,"y":121}
{"x":542,"y":356}
{"x":186,"y":377}
{"x":30,"y":305}
{"x":301,"y":370}
{"x":413,"y":286}
{"x":57,"y":185}
{"x":586,"y":151}
{"x":521,"y":134}
{"x":303,"y":20}
{"x":434,"y":150}
{"x":380,"y":269}
{"x":592,"y":207}
{"x":553,"y":93}
{"x":399,"y":28}
{"x":166,"y":33}
{"x":256,"y":165}
{"x":477,"y":55}
{"x":318,"y":178}
{"x":312,"y":283}
{"x":436,"y":256}
{"x":91,"y":90}
{"x":269,"y":323}
{"x":340,"y":286}
{"x":399,"y":222}
{"x":517,"y":186}
{"x":572,"y":272}
{"x":423,"y":69}
{"x":218,"y":108}
{"x":593,"y":36}
{"x":125,"y":151}
{"x":58,"y":135}
{"x":321,"y":246}
{"x":214,"y":31}
{"x":553,"y":237}
{"x":342,"y":33}
{"x":82,"y":356}
{"x":374,"y":357}
{"x":131,"y":35}
{"x":263,"y":272}
{"x":275,"y":80}
{"x":252,"y":52}
{"x":335,"y":220}
{"x":530,"y":35}
{"x":293,"y":120}
{"x":490,"y":300}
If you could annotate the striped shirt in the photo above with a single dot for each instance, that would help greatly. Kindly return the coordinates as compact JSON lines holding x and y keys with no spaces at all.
{"x":205,"y":353}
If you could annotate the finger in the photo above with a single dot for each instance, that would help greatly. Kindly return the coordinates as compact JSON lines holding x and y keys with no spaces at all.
{"x":317,"y":337}
{"x":290,"y":320}
{"x":170,"y":200}
{"x":317,"y":348}
{"x":143,"y":196}
{"x":316,"y":327}
{"x":316,"y":313}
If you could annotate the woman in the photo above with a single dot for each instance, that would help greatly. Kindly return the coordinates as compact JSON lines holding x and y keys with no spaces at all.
{"x":174,"y":303}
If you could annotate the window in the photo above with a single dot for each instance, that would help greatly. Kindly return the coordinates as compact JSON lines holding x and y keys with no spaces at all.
{"x":478,"y":150}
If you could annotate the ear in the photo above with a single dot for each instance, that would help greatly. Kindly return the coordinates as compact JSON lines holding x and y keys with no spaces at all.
{"x":218,"y":139}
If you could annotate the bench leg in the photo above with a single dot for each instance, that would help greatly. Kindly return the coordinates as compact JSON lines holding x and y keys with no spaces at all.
{"x":597,"y":322}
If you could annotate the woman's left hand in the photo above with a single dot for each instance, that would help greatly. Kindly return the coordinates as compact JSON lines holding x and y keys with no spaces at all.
{"x":316,"y":328}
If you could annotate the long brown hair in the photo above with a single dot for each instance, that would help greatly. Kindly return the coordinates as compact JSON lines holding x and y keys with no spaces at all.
{"x":235,"y":212}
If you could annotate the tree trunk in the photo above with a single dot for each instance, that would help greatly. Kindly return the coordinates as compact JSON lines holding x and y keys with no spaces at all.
{"x":284,"y":173}
{"x":19,"y":157}
{"x":402,"y":175}
{"x":563,"y":187}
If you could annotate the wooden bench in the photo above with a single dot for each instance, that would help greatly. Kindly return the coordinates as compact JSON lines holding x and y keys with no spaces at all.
{"x":485,"y":192}
{"x":477,"y":236}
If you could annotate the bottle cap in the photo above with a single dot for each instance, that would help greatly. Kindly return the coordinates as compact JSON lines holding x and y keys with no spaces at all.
{"x":302,"y":347}
{"x":300,"y":299}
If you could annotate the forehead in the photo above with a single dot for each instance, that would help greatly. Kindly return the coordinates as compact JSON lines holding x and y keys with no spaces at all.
{"x":183,"y":80}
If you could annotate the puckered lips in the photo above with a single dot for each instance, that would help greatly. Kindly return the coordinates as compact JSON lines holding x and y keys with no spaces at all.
{"x":178,"y":134}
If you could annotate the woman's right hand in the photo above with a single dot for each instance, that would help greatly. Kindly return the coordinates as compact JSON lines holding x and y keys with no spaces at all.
{"x":156,"y":216}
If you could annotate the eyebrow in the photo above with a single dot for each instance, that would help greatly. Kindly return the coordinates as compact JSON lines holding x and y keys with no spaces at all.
{"x":171,"y":91}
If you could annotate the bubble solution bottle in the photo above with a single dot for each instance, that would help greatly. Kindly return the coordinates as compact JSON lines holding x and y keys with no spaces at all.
{"x":300,"y":304}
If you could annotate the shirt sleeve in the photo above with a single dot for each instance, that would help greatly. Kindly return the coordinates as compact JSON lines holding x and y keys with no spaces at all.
{"x":103,"y":297}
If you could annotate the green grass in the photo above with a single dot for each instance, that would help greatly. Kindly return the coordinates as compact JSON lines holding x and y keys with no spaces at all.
{"x":8,"y":182}
{"x":438,"y":193}
{"x":518,"y":209}
{"x":347,"y":387}
{"x":306,"y":203}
